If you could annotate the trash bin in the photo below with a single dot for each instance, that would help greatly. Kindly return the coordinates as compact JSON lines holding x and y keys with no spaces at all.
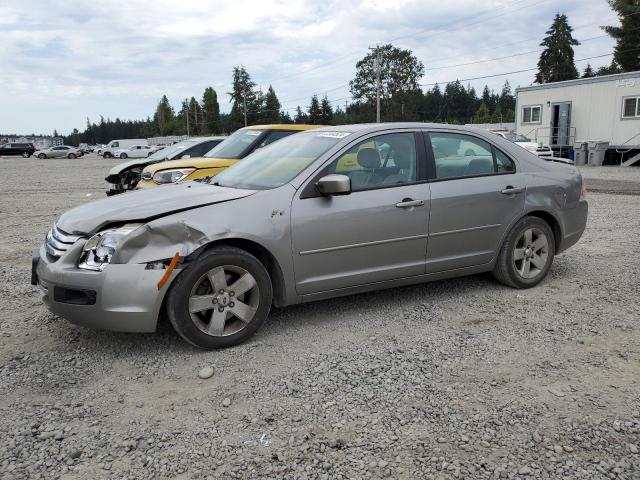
{"x":597,"y":151}
{"x":580,"y":150}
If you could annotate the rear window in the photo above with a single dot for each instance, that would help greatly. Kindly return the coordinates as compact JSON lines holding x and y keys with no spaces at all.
{"x":458,"y":156}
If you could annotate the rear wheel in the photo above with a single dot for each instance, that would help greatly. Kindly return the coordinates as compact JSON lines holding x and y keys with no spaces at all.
{"x":221,"y":299}
{"x":527,"y":254}
{"x":71,"y":155}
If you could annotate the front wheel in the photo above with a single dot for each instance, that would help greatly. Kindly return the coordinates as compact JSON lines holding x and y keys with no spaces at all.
{"x":107,"y":155}
{"x":123,"y":156}
{"x":71,"y":155}
{"x":221,"y":299}
{"x":42,"y":156}
{"x":25,"y":155}
{"x":527,"y":254}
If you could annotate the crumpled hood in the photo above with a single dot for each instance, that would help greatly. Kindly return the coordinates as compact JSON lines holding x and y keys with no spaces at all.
{"x":121,"y":167}
{"x":144,"y":205}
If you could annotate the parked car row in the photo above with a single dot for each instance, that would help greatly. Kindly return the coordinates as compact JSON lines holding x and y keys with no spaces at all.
{"x":125,"y":176}
{"x":27,"y":150}
{"x":321,"y":213}
{"x":196,"y":158}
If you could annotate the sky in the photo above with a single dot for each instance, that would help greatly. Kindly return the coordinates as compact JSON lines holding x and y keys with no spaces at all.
{"x":61,"y":64}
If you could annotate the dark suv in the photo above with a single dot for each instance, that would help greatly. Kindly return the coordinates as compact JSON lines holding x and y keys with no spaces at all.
{"x":23,"y":149}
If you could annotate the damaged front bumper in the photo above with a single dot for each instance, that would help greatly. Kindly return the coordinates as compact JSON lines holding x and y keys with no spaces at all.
{"x":122,"y":297}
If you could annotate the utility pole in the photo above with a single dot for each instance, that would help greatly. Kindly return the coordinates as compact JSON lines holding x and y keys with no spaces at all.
{"x":244,"y":105}
{"x":376,"y":63}
{"x":187,"y":112}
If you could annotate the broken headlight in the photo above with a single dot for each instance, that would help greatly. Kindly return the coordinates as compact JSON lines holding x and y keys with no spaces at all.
{"x":100,"y":249}
{"x":171,"y":176}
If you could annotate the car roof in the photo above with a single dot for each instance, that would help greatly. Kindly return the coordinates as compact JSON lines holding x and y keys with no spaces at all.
{"x":283,"y":126}
{"x":376,"y":127}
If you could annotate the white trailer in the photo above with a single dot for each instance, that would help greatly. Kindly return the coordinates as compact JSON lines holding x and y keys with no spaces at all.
{"x":601,"y":110}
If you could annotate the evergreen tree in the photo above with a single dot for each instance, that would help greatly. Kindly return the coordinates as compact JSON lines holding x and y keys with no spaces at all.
{"x":300,"y":116}
{"x":556,"y":61}
{"x":271,"y":112}
{"x":164,"y":116}
{"x":315,"y":114}
{"x":486,"y":97}
{"x":432,"y":105}
{"x":496,"y":116}
{"x":195,"y":117}
{"x":588,"y":72}
{"x":482,"y":115}
{"x":242,"y":95}
{"x":210,"y":112}
{"x":326,"y":112}
{"x":509,"y":116}
{"x":626,"y":53}
{"x":507,"y":100}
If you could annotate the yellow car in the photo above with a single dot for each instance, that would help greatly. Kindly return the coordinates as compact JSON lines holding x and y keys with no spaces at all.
{"x":236,"y":147}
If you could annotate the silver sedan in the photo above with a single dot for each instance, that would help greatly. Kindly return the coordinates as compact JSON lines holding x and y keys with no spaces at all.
{"x":320,"y":214}
{"x":60,"y":151}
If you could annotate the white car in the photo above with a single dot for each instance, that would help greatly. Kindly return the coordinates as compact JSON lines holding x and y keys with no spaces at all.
{"x":135,"y":151}
{"x":538,"y":148}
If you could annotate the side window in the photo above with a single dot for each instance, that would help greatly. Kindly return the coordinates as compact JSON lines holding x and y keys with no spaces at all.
{"x":200,"y":150}
{"x":380,"y":161}
{"x":457,"y":155}
{"x":115,"y":144}
{"x":273,"y":137}
{"x":503,"y":163}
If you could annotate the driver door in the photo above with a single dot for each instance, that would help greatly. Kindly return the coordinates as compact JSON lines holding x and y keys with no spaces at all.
{"x":378,"y":232}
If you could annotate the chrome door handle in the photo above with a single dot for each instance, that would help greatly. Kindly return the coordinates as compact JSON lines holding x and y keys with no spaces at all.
{"x":409,"y":202}
{"x":509,"y":190}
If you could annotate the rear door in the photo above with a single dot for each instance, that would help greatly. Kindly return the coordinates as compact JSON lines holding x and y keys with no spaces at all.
{"x":476,"y":193}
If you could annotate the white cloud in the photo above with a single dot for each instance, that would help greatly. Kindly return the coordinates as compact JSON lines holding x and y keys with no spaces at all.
{"x":79,"y":59}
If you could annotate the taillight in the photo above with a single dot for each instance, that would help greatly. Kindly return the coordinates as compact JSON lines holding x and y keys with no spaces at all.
{"x":583,"y":191}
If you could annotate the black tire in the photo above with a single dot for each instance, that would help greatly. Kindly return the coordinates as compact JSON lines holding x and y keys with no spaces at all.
{"x":25,"y":155}
{"x":506,"y":270}
{"x":123,"y":156}
{"x":71,"y":155}
{"x":180,"y":292}
{"x":42,"y":156}
{"x":107,"y":155}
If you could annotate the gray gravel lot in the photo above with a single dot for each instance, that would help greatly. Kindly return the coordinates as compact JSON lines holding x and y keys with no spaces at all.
{"x":455,"y":379}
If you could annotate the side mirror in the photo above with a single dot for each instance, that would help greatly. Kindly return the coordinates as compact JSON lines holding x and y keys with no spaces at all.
{"x":334,"y":185}
{"x":186,"y":156}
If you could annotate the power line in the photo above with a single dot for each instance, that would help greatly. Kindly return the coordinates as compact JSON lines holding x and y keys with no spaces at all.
{"x":414,"y":34}
{"x":512,"y":72}
{"x":506,"y":56}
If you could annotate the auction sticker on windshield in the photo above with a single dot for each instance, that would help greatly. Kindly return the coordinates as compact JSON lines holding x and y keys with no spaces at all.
{"x":332,"y":134}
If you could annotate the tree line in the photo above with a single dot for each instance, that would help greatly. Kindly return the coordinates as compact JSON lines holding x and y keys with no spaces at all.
{"x":402,"y":96}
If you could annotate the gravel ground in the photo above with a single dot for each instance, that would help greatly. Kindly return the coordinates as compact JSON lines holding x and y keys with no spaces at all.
{"x":455,"y":379}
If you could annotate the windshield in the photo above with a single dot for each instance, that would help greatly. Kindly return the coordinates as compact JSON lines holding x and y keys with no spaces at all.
{"x":514,"y":137}
{"x":171,"y":150}
{"x":236,"y":145}
{"x":279,"y":162}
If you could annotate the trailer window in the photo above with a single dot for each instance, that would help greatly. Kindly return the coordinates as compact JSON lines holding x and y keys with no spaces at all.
{"x":631,"y":107}
{"x":531,"y":114}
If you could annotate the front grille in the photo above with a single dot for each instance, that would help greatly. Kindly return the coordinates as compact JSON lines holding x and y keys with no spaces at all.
{"x":59,"y":241}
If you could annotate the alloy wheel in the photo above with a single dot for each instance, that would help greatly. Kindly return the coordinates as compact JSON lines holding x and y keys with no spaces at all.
{"x":531,"y":253}
{"x":224,"y":300}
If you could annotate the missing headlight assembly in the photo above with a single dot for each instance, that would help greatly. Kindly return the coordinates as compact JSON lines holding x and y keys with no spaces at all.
{"x":100,"y":249}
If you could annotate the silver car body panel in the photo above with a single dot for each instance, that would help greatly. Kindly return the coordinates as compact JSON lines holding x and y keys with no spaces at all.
{"x":320,"y":247}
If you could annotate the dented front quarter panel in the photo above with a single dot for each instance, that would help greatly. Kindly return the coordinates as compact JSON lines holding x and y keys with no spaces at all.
{"x":263,"y":218}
